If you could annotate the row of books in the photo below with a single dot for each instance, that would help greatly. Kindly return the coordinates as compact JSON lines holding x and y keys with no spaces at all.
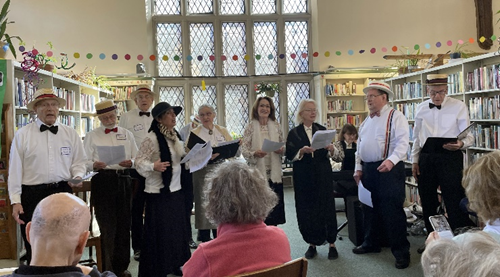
{"x":122,"y":93}
{"x":24,"y":92}
{"x":337,"y":122}
{"x":68,"y":95}
{"x":87,"y":103}
{"x":23,"y":119}
{"x":339,"y":105}
{"x":483,"y":78}
{"x":455,"y":83}
{"x":475,"y":156}
{"x":486,"y":136}
{"x":410,"y":129}
{"x":408,"y":90}
{"x":484,"y":107}
{"x":408,"y":109}
{"x":347,"y":88}
{"x":87,"y":124}
{"x":121,"y":107}
{"x":68,"y":120}
{"x":412,"y":194}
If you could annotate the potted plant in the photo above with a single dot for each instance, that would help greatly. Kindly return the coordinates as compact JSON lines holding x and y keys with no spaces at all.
{"x":268,"y":89}
{"x":6,"y":39}
{"x":460,"y":52}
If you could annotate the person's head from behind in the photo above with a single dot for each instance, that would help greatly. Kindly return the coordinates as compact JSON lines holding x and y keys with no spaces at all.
{"x":349,"y":133}
{"x":474,"y":254}
{"x":59,"y":230}
{"x":238,"y":194}
{"x":482,"y":186}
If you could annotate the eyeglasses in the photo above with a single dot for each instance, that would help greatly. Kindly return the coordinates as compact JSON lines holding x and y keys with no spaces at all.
{"x":205,"y":114}
{"x":311,"y":110}
{"x":372,"y":96}
{"x":441,"y":92}
{"x":46,"y":104}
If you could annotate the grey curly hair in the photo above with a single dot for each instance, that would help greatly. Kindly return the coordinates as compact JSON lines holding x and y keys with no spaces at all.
{"x":237,"y":193}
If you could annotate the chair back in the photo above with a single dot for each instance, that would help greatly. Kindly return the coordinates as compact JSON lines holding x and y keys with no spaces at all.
{"x":294,"y":268}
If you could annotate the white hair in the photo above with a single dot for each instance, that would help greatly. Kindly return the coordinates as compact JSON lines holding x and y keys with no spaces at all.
{"x":298,"y":117}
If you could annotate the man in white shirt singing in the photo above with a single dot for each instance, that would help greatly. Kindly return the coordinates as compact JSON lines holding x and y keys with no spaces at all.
{"x":44,"y":155}
{"x":440,"y":116}
{"x":112,"y":187}
{"x":382,"y":145}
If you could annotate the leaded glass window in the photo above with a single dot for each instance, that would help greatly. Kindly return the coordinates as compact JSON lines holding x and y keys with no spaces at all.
{"x":237,"y":113}
{"x":296,"y":43}
{"x":265,"y":41}
{"x":169,"y":42}
{"x":170,"y":7}
{"x":295,"y":93}
{"x":234,"y":48}
{"x":202,"y":47}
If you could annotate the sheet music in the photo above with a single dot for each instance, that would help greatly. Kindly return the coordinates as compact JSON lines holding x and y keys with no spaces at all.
{"x":322,"y":139}
{"x":271,"y":146}
{"x":198,"y":157}
{"x":111,"y":154}
{"x":364,"y":195}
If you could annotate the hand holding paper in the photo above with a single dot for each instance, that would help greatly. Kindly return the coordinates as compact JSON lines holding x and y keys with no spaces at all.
{"x":111,"y":154}
{"x":271,"y":146}
{"x":76,"y":181}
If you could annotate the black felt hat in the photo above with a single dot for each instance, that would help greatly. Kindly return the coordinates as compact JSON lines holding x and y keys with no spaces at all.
{"x":162,"y":107}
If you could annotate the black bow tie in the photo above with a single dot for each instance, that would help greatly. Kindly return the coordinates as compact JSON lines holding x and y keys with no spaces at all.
{"x":432,"y":106}
{"x":145,"y":113}
{"x":52,"y":129}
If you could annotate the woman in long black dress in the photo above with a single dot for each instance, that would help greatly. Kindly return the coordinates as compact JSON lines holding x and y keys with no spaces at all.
{"x":313,"y":185}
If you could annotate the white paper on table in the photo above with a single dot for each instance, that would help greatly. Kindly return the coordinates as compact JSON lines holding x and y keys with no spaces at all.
{"x":322,"y":139}
{"x":111,"y":154}
{"x":198,"y":156}
{"x":271,"y":146}
{"x":364,"y":195}
{"x":76,"y":181}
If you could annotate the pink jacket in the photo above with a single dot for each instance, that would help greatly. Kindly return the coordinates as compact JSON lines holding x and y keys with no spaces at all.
{"x":239,"y":249}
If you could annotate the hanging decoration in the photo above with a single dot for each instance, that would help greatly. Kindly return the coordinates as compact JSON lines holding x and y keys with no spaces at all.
{"x":203,"y":85}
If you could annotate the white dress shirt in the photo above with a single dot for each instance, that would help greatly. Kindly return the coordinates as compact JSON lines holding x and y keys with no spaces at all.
{"x":449,"y":121}
{"x":98,"y":137}
{"x":42,"y":157}
{"x":372,"y":136}
{"x":149,"y":152}
{"x":138,"y":125}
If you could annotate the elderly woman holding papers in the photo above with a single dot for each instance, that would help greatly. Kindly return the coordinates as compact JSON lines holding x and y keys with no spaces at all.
{"x":313,"y":185}
{"x":216,"y":135}
{"x":263,"y":125}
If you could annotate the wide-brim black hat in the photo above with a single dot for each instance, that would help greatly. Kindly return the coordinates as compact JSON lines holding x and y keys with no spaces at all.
{"x":162,"y":107}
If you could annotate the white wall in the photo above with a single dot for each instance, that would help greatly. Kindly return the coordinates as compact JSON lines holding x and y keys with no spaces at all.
{"x":89,"y":26}
{"x":363,"y":24}
{"x":119,"y":27}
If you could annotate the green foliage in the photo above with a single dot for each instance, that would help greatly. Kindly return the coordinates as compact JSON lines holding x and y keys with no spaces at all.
{"x":268,"y":88}
{"x":4,"y":37}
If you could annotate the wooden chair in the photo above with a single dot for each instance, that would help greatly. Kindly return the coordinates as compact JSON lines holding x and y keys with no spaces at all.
{"x":93,"y":241}
{"x":294,"y":268}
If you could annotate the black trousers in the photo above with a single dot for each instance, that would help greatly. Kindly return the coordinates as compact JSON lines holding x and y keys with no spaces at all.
{"x":388,"y":195}
{"x":442,"y":170}
{"x":111,"y":197}
{"x":30,"y":197}
{"x":138,"y":204}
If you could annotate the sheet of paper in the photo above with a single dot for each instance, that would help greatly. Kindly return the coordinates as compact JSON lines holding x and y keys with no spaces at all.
{"x":198,"y":157}
{"x":76,"y":181}
{"x":364,"y":195}
{"x":271,"y":146}
{"x":322,"y":138}
{"x":111,"y":154}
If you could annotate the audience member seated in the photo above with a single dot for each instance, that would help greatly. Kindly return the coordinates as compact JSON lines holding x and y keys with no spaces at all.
{"x":238,"y":199}
{"x":482,"y":188}
{"x":345,"y":148}
{"x":474,"y":254}
{"x":58,"y":234}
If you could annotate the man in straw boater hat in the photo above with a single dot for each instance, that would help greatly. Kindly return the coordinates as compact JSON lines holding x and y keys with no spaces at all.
{"x":382,"y":145}
{"x":440,"y":116}
{"x":112,"y":187}
{"x":44,"y":155}
{"x":138,"y":121}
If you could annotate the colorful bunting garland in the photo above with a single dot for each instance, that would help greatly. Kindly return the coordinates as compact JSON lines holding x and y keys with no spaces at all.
{"x":246,"y":57}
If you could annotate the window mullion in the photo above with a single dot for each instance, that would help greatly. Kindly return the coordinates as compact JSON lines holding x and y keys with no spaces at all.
{"x":280,"y":25}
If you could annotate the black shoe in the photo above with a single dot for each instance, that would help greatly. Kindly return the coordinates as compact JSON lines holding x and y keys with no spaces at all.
{"x":311,"y":252}
{"x":361,"y":250}
{"x":402,"y":263}
{"x":332,"y":253}
{"x":177,"y":272}
{"x":193,"y":244}
{"x":421,"y":249}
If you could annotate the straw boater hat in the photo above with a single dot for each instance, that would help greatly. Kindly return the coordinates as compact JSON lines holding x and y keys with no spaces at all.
{"x":141,"y":88}
{"x":380,"y":85}
{"x":437,"y":79}
{"x":104,"y":107}
{"x":44,"y":94}
{"x":195,"y":119}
